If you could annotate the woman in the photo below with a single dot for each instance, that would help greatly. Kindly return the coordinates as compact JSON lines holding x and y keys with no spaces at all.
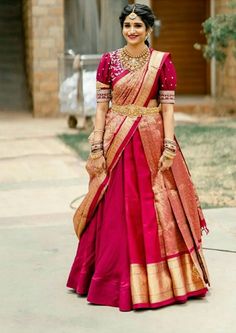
{"x":140,"y":223}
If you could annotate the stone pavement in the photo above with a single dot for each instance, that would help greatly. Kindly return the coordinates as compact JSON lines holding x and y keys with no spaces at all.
{"x":39,"y":177}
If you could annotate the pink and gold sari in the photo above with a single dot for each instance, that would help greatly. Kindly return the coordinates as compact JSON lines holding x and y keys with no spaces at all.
{"x":139,"y":228}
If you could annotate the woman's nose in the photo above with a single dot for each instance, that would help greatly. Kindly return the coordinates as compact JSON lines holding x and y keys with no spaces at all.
{"x":132,"y":29}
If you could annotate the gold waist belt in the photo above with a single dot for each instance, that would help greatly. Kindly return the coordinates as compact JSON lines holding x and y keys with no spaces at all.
{"x":132,"y":110}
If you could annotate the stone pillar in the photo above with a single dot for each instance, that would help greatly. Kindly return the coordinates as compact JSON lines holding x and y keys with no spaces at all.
{"x":44,"y":22}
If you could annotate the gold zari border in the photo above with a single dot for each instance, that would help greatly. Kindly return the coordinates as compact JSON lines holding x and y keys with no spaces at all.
{"x":153,"y":67}
{"x":158,"y":282}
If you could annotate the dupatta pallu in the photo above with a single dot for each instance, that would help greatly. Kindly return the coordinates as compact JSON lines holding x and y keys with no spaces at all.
{"x":174,"y":266}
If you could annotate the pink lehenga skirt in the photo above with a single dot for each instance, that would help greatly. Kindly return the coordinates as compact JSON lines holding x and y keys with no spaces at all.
{"x":123,"y":236}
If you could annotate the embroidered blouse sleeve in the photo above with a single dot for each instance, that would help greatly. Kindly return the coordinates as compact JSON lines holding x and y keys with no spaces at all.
{"x":103,"y":83}
{"x":167,"y":82}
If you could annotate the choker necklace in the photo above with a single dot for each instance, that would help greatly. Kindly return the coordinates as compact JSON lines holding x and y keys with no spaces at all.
{"x":133,"y":63}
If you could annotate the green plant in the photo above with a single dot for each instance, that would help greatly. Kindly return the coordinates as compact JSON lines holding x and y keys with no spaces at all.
{"x":219,"y":30}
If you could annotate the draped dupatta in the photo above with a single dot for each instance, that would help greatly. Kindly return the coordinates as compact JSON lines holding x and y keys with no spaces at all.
{"x":118,"y":131}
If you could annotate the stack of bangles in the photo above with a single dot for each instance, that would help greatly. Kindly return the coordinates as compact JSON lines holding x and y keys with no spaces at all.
{"x":96,"y":147}
{"x":169,"y":148}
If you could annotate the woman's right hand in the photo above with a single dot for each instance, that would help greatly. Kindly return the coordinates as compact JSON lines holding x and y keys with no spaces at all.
{"x":96,"y":166}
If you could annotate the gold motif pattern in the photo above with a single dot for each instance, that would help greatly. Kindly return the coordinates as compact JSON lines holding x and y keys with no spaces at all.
{"x":158,"y":282}
{"x":81,"y":214}
{"x":173,"y":195}
{"x":133,"y":110}
{"x":132,"y":82}
{"x":118,"y":139}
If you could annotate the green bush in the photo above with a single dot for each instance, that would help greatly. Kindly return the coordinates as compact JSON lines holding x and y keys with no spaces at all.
{"x":219,"y":30}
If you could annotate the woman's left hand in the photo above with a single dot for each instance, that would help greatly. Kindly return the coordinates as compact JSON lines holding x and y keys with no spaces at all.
{"x":164,"y":163}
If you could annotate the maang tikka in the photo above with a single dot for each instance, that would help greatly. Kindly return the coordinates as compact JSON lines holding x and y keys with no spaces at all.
{"x":132,"y":15}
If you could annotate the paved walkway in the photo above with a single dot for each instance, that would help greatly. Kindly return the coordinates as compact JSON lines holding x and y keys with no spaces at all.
{"x":39,"y":177}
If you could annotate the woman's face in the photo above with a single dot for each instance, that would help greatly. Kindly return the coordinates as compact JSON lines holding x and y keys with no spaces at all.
{"x":134,"y":31}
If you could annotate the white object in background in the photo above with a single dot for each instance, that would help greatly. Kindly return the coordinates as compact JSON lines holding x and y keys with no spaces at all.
{"x":68,"y":93}
{"x":89,"y":91}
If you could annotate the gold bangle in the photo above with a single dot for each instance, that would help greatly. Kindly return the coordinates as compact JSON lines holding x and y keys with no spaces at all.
{"x":99,"y":145}
{"x":95,"y":149}
{"x":172,"y":150}
{"x":96,"y":155}
{"x":169,"y":155}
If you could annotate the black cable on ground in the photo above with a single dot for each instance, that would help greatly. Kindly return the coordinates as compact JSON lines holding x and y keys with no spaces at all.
{"x":76,"y":199}
{"x":212,"y":249}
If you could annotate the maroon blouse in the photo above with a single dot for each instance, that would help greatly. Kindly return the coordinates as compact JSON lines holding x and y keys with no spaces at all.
{"x":110,"y":67}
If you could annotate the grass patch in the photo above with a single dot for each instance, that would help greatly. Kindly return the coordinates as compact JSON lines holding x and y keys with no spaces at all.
{"x":209,"y":150}
{"x":78,"y":142}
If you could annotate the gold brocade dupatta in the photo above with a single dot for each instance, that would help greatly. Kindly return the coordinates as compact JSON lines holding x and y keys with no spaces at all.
{"x":115,"y":142}
{"x":175,"y":197}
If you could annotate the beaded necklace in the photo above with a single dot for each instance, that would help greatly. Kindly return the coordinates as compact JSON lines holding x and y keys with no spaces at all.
{"x":133,"y":63}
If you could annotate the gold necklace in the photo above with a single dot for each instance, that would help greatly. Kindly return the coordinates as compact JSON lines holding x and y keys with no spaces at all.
{"x":133,"y":63}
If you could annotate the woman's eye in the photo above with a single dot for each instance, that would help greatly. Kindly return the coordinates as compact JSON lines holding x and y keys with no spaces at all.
{"x":127,"y":25}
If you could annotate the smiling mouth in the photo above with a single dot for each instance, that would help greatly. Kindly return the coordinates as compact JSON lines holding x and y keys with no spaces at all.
{"x":133,"y":36}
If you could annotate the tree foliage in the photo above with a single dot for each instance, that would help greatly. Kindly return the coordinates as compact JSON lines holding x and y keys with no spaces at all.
{"x":219,"y":30}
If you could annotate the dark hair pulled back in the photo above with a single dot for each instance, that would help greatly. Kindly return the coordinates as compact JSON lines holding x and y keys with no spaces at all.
{"x":143,"y":11}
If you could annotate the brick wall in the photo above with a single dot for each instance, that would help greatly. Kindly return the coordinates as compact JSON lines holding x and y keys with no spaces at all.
{"x":226,"y":76}
{"x":44,"y":23}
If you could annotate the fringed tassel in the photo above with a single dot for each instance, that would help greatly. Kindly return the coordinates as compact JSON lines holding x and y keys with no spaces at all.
{"x":203,"y":224}
{"x":204,"y":229}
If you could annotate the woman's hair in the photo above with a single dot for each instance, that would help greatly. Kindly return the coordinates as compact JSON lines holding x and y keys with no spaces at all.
{"x":143,"y":11}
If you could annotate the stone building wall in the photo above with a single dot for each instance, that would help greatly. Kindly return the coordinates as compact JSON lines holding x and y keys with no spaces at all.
{"x":44,"y":23}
